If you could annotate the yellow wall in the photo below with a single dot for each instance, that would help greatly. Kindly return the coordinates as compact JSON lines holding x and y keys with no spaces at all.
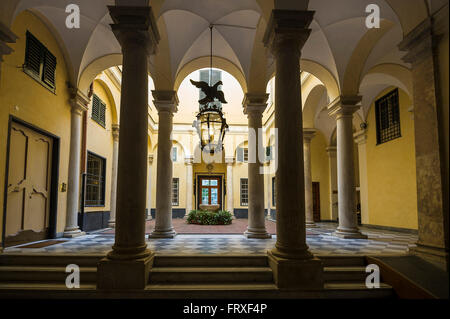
{"x":320,"y":172}
{"x":391,"y":171}
{"x":100,"y":141}
{"x":26,"y":99}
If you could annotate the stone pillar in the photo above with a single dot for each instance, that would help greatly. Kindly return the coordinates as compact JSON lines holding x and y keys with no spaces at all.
{"x":230,"y":204}
{"x":254,"y":106}
{"x":115,"y":159}
{"x":431,"y":135}
{"x":293,"y":264}
{"x":361,"y":139}
{"x":332,"y":167}
{"x":6,"y":36}
{"x":79,"y":103}
{"x":308,"y":135}
{"x":127,"y":265}
{"x":189,"y":183}
{"x":343,"y":108}
{"x":149,"y":187}
{"x":166,"y":103}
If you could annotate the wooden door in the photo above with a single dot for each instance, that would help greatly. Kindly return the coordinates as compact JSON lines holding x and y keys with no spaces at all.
{"x":316,"y":201}
{"x":29,"y":179}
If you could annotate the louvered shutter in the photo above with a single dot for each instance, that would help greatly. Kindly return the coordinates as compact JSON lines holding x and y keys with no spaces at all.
{"x":216,"y":77}
{"x":102,"y":116}
{"x":95,"y":108}
{"x":204,"y":77}
{"x":33,"y":55}
{"x":240,"y":154}
{"x":49,"y":69}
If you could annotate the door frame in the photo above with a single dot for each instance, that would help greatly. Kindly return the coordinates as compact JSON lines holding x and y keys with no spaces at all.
{"x":197,"y":187}
{"x":54,"y":176}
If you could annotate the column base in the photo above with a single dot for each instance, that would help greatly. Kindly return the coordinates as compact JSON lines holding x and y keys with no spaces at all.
{"x":162,"y":234}
{"x":72,"y":233}
{"x":297,"y":274}
{"x":112,"y":223}
{"x":124,"y":274}
{"x":352,"y":233}
{"x":257,"y":233}
{"x":436,"y":256}
{"x":311,"y":225}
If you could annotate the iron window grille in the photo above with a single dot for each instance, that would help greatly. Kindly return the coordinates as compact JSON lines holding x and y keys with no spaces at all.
{"x":95,"y":180}
{"x":175,"y":191}
{"x":387,"y":112}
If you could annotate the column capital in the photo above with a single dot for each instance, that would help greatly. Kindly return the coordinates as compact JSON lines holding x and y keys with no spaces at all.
{"x":360,"y":137}
{"x":189,"y":160}
{"x":6,"y":36}
{"x":229,"y":160}
{"x":418,"y":43}
{"x":150,"y":159}
{"x":288,"y":27}
{"x":331,"y":151}
{"x":344,"y":106}
{"x":136,"y":24}
{"x":78,"y":101}
{"x":115,"y":131}
{"x":255,"y":103}
{"x":165,"y":101}
{"x":309,"y":134}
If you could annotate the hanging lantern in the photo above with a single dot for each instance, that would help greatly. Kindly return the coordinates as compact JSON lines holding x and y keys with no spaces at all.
{"x":210,"y":124}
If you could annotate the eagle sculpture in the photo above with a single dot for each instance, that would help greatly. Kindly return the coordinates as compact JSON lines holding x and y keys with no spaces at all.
{"x":211,"y":92}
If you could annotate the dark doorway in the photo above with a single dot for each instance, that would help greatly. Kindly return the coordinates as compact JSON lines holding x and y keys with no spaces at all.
{"x":316,"y":201}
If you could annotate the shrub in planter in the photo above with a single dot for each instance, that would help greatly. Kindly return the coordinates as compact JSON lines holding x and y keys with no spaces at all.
{"x":202,"y":217}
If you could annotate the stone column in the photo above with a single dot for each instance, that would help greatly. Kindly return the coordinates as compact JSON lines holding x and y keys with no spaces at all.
{"x":189,"y":183}
{"x":332,"y":167}
{"x":149,"y":187}
{"x":6,"y":36}
{"x":343,"y":108}
{"x":425,"y":52}
{"x":361,"y":139}
{"x":293,"y":264}
{"x":127,"y":265}
{"x":230,"y":204}
{"x":254,"y":106}
{"x":79,"y":103}
{"x":308,"y":135}
{"x":115,"y":159}
{"x":166,"y":103}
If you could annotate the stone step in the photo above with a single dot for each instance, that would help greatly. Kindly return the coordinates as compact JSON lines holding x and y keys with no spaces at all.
{"x":342,"y":260}
{"x":210,"y":261}
{"x":357,"y":291}
{"x":210,"y":274}
{"x":345,"y":274}
{"x":44,"y":274}
{"x":11,"y":259}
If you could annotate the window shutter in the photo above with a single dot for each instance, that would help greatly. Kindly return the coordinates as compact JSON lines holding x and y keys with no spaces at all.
{"x":240,"y":154}
{"x":49,"y":69}
{"x":216,"y":76}
{"x":102,"y":115}
{"x":95,"y":108}
{"x":33,"y":54}
{"x":174,"y":154}
{"x":204,"y":77}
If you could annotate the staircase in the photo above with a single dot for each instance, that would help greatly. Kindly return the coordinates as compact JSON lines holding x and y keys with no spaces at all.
{"x":204,"y":276}
{"x":30,"y":272}
{"x":345,"y":277}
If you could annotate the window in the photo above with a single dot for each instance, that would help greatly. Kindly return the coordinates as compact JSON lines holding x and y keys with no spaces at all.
{"x":40,"y":63}
{"x":95,"y":180}
{"x":387,"y":115}
{"x":244,"y":192}
{"x":269,"y":153}
{"x":216,"y":76}
{"x":175,"y":191}
{"x":242,"y":154}
{"x":174,"y":154}
{"x":273,"y":192}
{"x":98,"y":111}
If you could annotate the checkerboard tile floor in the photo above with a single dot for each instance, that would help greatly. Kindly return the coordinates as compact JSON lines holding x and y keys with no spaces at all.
{"x":320,"y":241}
